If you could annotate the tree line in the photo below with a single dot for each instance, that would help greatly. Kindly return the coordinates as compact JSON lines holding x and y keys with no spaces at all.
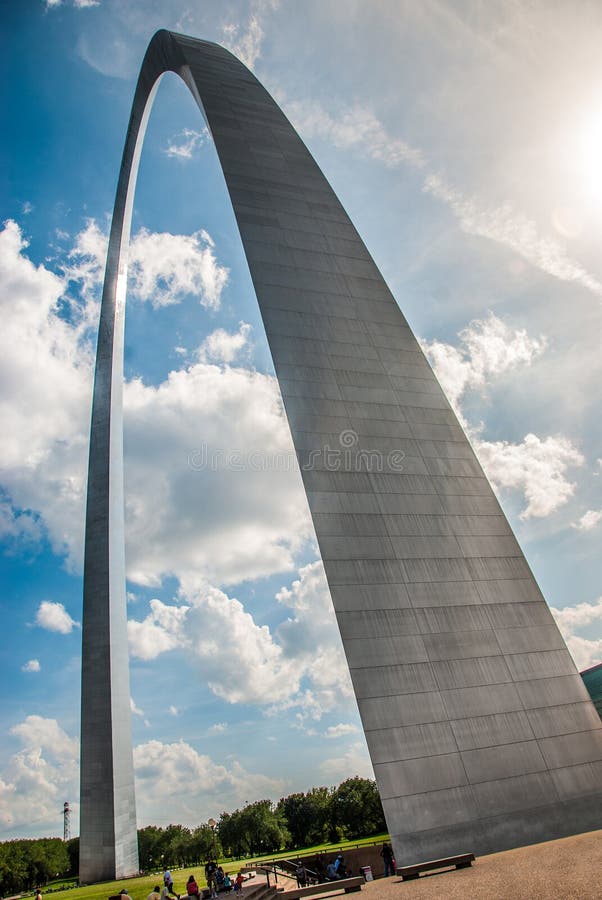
{"x":351,"y":810}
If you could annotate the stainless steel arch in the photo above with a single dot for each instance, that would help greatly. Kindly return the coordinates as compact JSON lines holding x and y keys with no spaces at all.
{"x":480,"y":730}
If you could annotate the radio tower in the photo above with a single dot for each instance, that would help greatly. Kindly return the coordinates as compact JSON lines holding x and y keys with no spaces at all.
{"x":66,"y":821}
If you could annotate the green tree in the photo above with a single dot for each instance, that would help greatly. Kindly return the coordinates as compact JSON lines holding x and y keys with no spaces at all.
{"x":306,"y":816}
{"x":356,"y":808}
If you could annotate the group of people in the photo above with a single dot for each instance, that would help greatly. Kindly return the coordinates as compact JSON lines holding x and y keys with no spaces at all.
{"x":217,"y":880}
{"x":337,"y":869}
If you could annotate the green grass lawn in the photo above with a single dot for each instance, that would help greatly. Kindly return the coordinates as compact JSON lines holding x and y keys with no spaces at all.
{"x":138,"y":888}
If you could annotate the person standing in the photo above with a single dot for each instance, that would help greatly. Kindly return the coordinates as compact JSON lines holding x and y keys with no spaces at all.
{"x":210,"y":875}
{"x":388,"y":860}
{"x":301,"y":874}
{"x":167,"y":891}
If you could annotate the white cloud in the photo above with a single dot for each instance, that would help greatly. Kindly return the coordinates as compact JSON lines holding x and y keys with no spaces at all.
{"x":218,"y":728}
{"x":588,"y":520}
{"x":158,"y":633}
{"x":46,"y":372}
{"x":240,"y":514}
{"x":488,"y":347}
{"x":173,"y":711}
{"x":184,"y":144}
{"x":586,"y":652}
{"x":227,"y":500}
{"x":17,"y":524}
{"x":54,"y":617}
{"x":353,"y":126}
{"x":224,"y":346}
{"x":359,"y":127}
{"x":136,"y":711}
{"x":245,"y":43}
{"x":536,"y":467}
{"x":354,"y":762}
{"x":177,"y":773}
{"x":40,"y":775}
{"x":163,"y":268}
{"x":32,"y":665}
{"x":78,"y":4}
{"x":268,"y":668}
{"x":514,"y":230}
{"x":341,"y":730}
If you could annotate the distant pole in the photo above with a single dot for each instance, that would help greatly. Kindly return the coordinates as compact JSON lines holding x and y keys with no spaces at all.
{"x":66,"y":821}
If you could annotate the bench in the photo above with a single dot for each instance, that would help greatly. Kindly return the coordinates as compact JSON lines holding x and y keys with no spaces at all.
{"x":327,"y":887}
{"x":463,"y":861}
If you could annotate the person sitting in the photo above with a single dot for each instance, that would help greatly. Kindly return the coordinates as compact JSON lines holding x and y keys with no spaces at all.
{"x":339,"y":866}
{"x":192,"y":888}
{"x":331,"y":872}
{"x":155,"y":894}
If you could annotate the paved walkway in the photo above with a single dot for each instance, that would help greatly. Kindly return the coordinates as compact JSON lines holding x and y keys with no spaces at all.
{"x":567,"y":869}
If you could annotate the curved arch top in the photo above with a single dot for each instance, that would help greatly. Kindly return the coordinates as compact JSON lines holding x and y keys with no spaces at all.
{"x":480,"y":730}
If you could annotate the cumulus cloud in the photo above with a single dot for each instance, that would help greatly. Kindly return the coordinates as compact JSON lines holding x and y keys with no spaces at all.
{"x":32,"y":665}
{"x":588,"y":520}
{"x":536,"y":467}
{"x":585,"y":651}
{"x":340,"y":730}
{"x":177,"y":773}
{"x":45,"y":770}
{"x":227,"y":500}
{"x":299,"y":665}
{"x":54,"y":617}
{"x":184,"y":144}
{"x":488,"y":347}
{"x":38,"y":776}
{"x":224,"y":346}
{"x":46,"y":371}
{"x":163,"y":268}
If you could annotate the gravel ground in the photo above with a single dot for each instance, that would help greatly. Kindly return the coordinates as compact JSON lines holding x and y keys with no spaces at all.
{"x":567,"y":869}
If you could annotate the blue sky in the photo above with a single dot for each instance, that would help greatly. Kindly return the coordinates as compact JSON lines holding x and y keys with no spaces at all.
{"x":465,"y":142}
